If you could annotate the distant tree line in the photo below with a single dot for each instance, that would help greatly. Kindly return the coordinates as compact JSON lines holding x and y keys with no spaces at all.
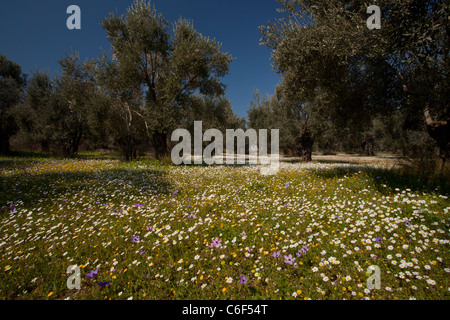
{"x":343,"y":87}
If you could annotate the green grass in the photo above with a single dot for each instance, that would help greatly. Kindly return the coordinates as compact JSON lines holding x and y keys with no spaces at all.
{"x":59,"y":212}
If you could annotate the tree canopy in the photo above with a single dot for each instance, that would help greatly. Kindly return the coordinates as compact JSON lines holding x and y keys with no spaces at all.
{"x":11,"y":92}
{"x":332,"y":65}
{"x":168,"y":67}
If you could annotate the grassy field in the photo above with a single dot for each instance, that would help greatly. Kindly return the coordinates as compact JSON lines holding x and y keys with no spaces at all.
{"x":154,"y":231}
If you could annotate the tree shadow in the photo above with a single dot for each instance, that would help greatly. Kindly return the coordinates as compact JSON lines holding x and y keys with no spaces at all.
{"x":417,"y":182}
{"x":387,"y":180}
{"x":33,"y":190}
{"x":29,"y":154}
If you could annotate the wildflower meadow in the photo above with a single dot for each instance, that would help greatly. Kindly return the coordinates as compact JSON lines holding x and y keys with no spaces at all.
{"x":148,"y":230}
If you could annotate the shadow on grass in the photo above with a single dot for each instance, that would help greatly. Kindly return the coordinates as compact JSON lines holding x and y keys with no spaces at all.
{"x":320,"y":161}
{"x":29,"y":154}
{"x":35,"y":189}
{"x":393,"y":178}
{"x":30,"y":157}
{"x":84,"y":155}
{"x":421,"y":182}
{"x":22,"y":159}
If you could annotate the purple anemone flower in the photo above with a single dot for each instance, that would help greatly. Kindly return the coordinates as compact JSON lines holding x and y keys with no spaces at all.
{"x":135,"y":239}
{"x":215,"y":243}
{"x":289,"y":259}
{"x":276,"y":254}
{"x":104,"y":284}
{"x":92,"y":274}
{"x":243,"y":279}
{"x":302,"y":251}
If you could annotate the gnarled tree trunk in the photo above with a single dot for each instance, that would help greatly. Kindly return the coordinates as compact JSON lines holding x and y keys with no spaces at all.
{"x":440,"y":132}
{"x":306,"y":142}
{"x":160,"y":145}
{"x":368,"y":146}
{"x":7,"y":129}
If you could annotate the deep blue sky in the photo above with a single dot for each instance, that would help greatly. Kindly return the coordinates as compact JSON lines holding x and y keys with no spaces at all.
{"x":34,"y":34}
